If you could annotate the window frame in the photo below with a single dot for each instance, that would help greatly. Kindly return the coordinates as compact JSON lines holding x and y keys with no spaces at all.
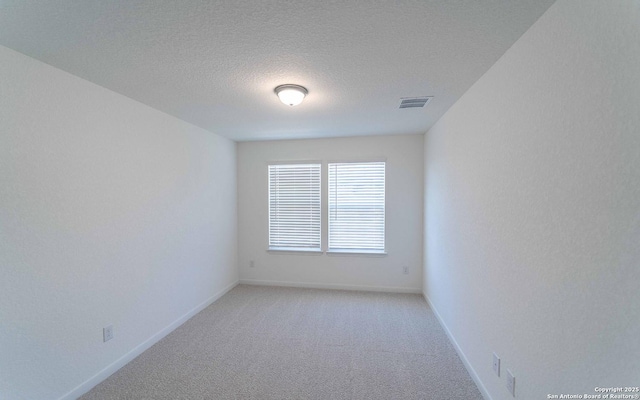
{"x":294,"y":249}
{"x":357,"y":251}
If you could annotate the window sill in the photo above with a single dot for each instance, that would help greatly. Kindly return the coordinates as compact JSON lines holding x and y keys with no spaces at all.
{"x":302,"y":251}
{"x":366,"y":253}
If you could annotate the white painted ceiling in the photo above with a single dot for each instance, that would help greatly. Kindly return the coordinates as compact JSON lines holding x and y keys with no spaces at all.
{"x":215,"y":63}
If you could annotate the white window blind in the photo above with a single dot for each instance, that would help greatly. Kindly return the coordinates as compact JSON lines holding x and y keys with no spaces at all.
{"x":356,"y":207}
{"x":294,"y":207}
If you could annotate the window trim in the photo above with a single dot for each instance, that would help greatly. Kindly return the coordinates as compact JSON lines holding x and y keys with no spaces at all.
{"x":357,"y":251}
{"x":349,"y":252}
{"x":324,"y":210}
{"x":299,"y":250}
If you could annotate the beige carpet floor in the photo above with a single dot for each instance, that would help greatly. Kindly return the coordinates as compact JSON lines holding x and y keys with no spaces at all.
{"x":287,"y":343}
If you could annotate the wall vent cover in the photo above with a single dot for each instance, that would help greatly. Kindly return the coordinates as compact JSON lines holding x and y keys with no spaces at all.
{"x":415,"y":102}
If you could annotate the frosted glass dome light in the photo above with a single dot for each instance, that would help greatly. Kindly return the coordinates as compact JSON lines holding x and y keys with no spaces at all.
{"x":291,"y":95}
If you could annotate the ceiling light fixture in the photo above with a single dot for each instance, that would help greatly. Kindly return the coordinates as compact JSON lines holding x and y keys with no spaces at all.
{"x":291,"y":95}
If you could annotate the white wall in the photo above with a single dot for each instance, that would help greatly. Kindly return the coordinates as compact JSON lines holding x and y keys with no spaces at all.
{"x":533,"y":207}
{"x":110,"y":213}
{"x":404,"y":188}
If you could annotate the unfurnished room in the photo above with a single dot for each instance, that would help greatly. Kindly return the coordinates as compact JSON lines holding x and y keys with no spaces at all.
{"x":416,"y":199}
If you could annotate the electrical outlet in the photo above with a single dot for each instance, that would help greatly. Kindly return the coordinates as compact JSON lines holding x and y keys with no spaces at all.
{"x":107,"y":333}
{"x":511,"y":383}
{"x":405,"y":270}
{"x":496,"y":364}
{"x":252,"y":264}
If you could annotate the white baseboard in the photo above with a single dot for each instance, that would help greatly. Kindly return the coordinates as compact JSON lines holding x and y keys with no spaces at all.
{"x":392,"y":289}
{"x":463,"y":357}
{"x":139,"y":349}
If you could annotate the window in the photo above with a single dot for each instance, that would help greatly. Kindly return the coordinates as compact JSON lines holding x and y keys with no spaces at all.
{"x":356,"y":207}
{"x":294,"y":207}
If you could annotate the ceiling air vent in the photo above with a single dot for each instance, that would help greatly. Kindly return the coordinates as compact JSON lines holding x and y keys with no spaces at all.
{"x":414,"y":102}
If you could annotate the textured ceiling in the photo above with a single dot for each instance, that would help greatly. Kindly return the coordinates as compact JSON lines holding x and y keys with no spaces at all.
{"x":215,"y":63}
